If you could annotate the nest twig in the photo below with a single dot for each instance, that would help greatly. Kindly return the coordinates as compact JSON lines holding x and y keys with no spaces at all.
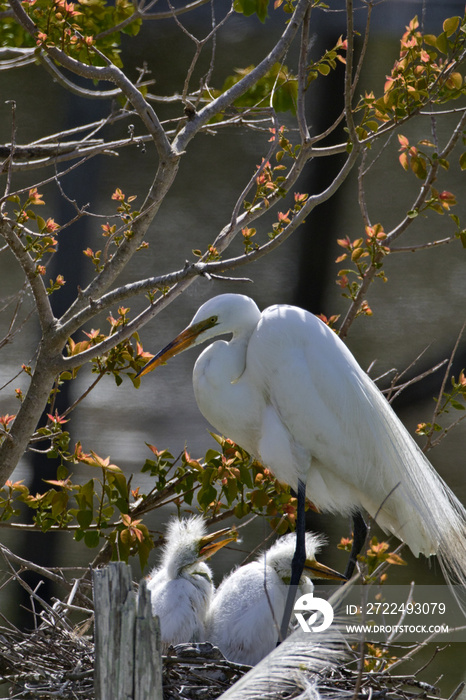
{"x":56,"y":660}
{"x":49,"y":662}
{"x":52,"y":662}
{"x":192,"y":671}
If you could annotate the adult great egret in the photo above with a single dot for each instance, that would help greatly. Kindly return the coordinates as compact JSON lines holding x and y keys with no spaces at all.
{"x":288,"y":390}
{"x":247,"y":608}
{"x":181,"y":588}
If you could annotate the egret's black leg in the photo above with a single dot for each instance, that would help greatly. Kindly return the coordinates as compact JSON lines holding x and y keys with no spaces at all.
{"x":359,"y":537}
{"x":299,"y":559}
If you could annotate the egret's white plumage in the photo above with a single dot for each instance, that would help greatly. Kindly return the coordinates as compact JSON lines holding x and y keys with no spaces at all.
{"x":288,"y":390}
{"x":181,"y":587}
{"x":247,"y":608}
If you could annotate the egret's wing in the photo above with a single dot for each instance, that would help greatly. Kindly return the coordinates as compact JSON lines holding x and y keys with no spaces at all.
{"x":315,"y":407}
{"x":300,"y":660}
{"x":358,"y":452}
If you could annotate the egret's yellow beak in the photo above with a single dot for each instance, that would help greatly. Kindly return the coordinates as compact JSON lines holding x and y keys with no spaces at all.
{"x":317,"y":570}
{"x":208,"y":547}
{"x":177,"y":345}
{"x":182,"y":341}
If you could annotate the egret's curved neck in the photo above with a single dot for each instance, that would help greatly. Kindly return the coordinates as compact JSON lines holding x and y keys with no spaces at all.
{"x":223,"y":362}
{"x":222,"y":389}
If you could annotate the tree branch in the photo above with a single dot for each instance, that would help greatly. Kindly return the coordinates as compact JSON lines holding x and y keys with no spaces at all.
{"x":227,"y":98}
{"x":62,"y":80}
{"x":400,"y":228}
{"x":187,"y":275}
{"x":302,"y":79}
{"x":110,"y":73}
{"x":348,"y":92}
{"x":44,"y":310}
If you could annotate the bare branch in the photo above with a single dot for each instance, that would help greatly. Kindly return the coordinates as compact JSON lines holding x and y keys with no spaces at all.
{"x":396,"y":389}
{"x":187,"y":275}
{"x":302,"y":78}
{"x":348,"y":93}
{"x":109,"y":73}
{"x":44,"y":310}
{"x":423,"y":246}
{"x":232,"y":94}
{"x":46,"y":572}
{"x":438,"y":404}
{"x":72,"y":87}
{"x":429,"y":180}
{"x":10,"y":156}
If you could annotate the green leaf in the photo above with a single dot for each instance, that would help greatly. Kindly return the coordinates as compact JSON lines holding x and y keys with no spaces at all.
{"x":231,"y":490}
{"x":206,"y":495}
{"x":122,"y":505}
{"x":62,"y":472}
{"x":251,"y":7}
{"x":323,"y":68}
{"x":462,"y":237}
{"x":246,"y":477}
{"x":91,"y":538}
{"x":463,"y":161}
{"x":119,"y":480}
{"x":212,"y":455}
{"x":144,"y":549}
{"x":150,"y":465}
{"x":372,"y":125}
{"x":59,"y":503}
{"x":430,"y":39}
{"x":259,"y":498}
{"x":442,"y":43}
{"x":85,"y":495}
{"x":285,"y":97}
{"x":242,"y":509}
{"x":84,"y":518}
{"x":451,"y":25}
{"x":278,"y":80}
{"x":188,"y":497}
{"x":208,"y":475}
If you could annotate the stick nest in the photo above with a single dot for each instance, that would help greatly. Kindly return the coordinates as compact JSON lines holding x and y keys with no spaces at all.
{"x":55,"y":661}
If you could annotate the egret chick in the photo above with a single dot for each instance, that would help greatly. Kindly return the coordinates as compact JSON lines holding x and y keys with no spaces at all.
{"x":246,"y":611}
{"x":181,"y":588}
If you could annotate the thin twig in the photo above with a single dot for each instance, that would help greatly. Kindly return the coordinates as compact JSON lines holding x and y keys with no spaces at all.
{"x":437,"y":410}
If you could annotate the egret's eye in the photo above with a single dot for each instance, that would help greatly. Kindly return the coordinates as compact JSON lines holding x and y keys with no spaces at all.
{"x":213,"y":320}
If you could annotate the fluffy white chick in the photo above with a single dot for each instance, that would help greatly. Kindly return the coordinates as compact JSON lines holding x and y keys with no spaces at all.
{"x":246,"y":611}
{"x":181,"y":587}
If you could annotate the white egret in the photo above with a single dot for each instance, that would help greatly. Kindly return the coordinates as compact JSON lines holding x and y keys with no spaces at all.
{"x":247,"y":608}
{"x":289,"y":391}
{"x":181,"y":588}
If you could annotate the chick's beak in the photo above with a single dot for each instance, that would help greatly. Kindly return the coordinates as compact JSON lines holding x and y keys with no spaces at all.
{"x":209,"y":547}
{"x":182,"y":341}
{"x":318,"y":570}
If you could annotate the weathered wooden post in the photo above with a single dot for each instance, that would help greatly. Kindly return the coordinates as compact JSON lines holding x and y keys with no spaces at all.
{"x":128,"y":663}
